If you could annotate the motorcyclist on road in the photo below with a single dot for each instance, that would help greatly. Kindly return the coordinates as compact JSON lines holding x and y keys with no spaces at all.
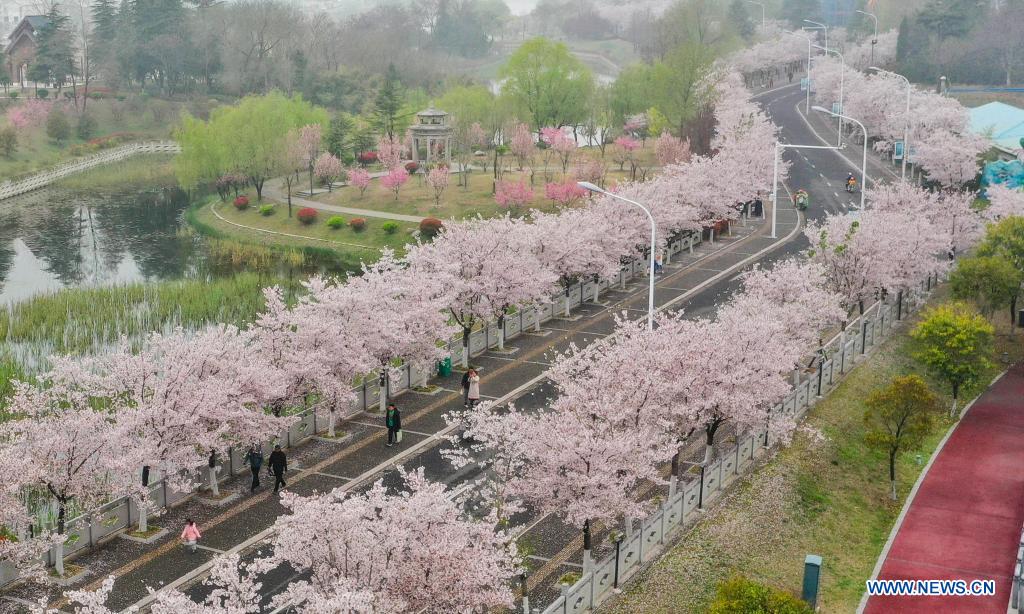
{"x":851,"y":182}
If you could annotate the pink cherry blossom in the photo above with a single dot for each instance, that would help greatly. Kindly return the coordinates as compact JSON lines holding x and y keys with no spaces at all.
{"x":437,"y":179}
{"x":564,"y":192}
{"x":390,"y":151}
{"x":513,"y":195}
{"x":395,"y":179}
{"x":1005,"y":202}
{"x":521,"y":144}
{"x":328,"y":168}
{"x":359,"y":178}
{"x":671,"y":150}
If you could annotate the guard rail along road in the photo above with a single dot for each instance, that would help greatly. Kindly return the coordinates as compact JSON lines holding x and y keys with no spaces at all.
{"x":116,"y":154}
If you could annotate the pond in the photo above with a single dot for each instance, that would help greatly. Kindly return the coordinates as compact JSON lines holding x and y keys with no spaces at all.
{"x":59,"y":238}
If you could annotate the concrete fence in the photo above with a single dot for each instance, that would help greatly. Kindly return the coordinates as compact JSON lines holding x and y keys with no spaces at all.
{"x":1016,"y":597}
{"x":91,"y":529}
{"x":116,"y":154}
{"x":661,"y":527}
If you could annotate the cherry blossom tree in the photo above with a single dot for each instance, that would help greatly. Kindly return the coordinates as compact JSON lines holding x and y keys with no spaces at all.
{"x":395,"y":179}
{"x":310,"y":137}
{"x":564,"y":192}
{"x":486,"y":266}
{"x":292,"y":159}
{"x":328,"y":169}
{"x":437,"y":179}
{"x":61,"y":447}
{"x":590,"y":169}
{"x":521,"y":144}
{"x":390,"y":151}
{"x":848,"y":255}
{"x":359,"y":178}
{"x":394,"y":316}
{"x":561,"y":143}
{"x":950,"y":159}
{"x":513,"y":195}
{"x":625,"y":146}
{"x":29,"y":114}
{"x":671,"y":150}
{"x":1004,"y":203}
{"x":413,"y":547}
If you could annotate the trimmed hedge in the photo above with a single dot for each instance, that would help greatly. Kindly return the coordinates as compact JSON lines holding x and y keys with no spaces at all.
{"x":306,"y":215}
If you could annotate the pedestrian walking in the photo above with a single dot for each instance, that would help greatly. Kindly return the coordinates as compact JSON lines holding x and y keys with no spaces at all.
{"x":255,"y":459}
{"x":278,"y":465}
{"x":465,"y":387}
{"x":658,"y":262}
{"x":393,"y":420}
{"x":190,"y":535}
{"x":473,"y":393}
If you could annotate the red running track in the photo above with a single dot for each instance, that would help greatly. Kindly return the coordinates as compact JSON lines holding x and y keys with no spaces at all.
{"x":965,"y":521}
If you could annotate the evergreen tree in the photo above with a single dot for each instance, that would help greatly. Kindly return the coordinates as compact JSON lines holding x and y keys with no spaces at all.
{"x":55,"y":53}
{"x":104,"y":19}
{"x":388,"y":103}
{"x":740,"y":19}
{"x":339,"y":137}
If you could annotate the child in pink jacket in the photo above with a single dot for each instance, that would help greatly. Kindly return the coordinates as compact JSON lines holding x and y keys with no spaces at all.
{"x":190,"y":535}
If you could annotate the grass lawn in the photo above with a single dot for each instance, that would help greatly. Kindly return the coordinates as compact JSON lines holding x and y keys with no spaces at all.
{"x":36,"y":151}
{"x":365,"y":244}
{"x":417,"y":198}
{"x":825,"y":496}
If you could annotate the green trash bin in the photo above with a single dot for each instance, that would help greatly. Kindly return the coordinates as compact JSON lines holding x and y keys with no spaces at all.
{"x":444,"y":367}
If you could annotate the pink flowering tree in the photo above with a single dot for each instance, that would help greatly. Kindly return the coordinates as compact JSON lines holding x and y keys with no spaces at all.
{"x":950,"y":159}
{"x":560,"y":143}
{"x":486,"y":267}
{"x":292,"y":159}
{"x":1004,"y":203}
{"x":625,"y":151}
{"x":564,"y":192}
{"x":671,"y":150}
{"x":513,"y":195}
{"x":437,"y":180}
{"x":62,"y":447}
{"x":395,"y":317}
{"x":310,"y":137}
{"x":328,"y":169}
{"x":360,"y":179}
{"x":395,"y":179}
{"x":590,"y":169}
{"x":521,"y":144}
{"x":415,"y":548}
{"x":29,"y":114}
{"x":390,"y":151}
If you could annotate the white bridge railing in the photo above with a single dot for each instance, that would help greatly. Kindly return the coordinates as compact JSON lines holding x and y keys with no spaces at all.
{"x":116,"y":154}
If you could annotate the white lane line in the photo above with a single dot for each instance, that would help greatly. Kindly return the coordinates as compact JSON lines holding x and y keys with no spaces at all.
{"x":332,"y":475}
{"x":836,"y":194}
{"x":209,"y":549}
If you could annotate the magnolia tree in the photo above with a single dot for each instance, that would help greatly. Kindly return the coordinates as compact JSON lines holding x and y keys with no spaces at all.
{"x":513,"y":195}
{"x":437,"y":179}
{"x":413,"y":548}
{"x":360,"y":178}
{"x":395,"y":317}
{"x":395,"y":179}
{"x":328,"y":169}
{"x":486,"y":267}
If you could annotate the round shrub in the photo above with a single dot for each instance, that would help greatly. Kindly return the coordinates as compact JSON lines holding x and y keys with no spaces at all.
{"x":266,"y":210}
{"x":57,"y":126}
{"x":412,"y":167}
{"x":430,"y":226}
{"x":86,"y":127}
{"x":739,"y":594}
{"x":336,"y":222}
{"x":42,"y":94}
{"x":241,"y":203}
{"x":357,"y":224}
{"x":306,"y":215}
{"x":367,"y":157}
{"x":390,"y":227}
{"x":13,"y":94}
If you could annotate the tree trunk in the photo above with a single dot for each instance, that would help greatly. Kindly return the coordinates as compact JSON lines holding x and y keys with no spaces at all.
{"x":501,"y":331}
{"x":465,"y":347}
{"x":587,"y":546}
{"x":58,"y":555}
{"x":384,"y":389}
{"x":956,"y":392}
{"x":214,"y":487}
{"x":330,"y":423}
{"x":143,"y":513}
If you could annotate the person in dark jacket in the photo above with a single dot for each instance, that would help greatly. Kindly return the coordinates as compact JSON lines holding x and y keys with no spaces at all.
{"x":465,"y":387}
{"x":278,"y":465}
{"x":393,"y":420}
{"x":255,"y":459}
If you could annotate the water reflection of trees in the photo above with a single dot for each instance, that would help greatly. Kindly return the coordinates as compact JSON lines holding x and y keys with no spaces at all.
{"x":94,"y":238}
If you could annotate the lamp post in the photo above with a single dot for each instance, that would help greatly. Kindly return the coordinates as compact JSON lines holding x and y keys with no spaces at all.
{"x":763,"y":27}
{"x":864,"y":160}
{"x":807,"y":102}
{"x":775,"y":175}
{"x":874,"y":39}
{"x":906,"y":120}
{"x":818,"y":26}
{"x":586,"y":185}
{"x":842,"y":86}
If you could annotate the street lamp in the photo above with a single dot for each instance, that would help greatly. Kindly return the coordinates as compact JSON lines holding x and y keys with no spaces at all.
{"x":842,"y":85}
{"x":874,"y":39}
{"x":763,"y":27}
{"x":586,"y":185}
{"x":818,"y":26}
{"x":864,"y":160}
{"x":807,"y":102}
{"x":906,"y":120}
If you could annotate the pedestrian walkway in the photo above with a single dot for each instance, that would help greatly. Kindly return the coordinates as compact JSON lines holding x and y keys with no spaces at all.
{"x":964,"y":521}
{"x":274,"y":192}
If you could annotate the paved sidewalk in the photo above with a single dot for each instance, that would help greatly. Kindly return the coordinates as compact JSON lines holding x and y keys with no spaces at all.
{"x":964,"y":521}
{"x":274,"y":191}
